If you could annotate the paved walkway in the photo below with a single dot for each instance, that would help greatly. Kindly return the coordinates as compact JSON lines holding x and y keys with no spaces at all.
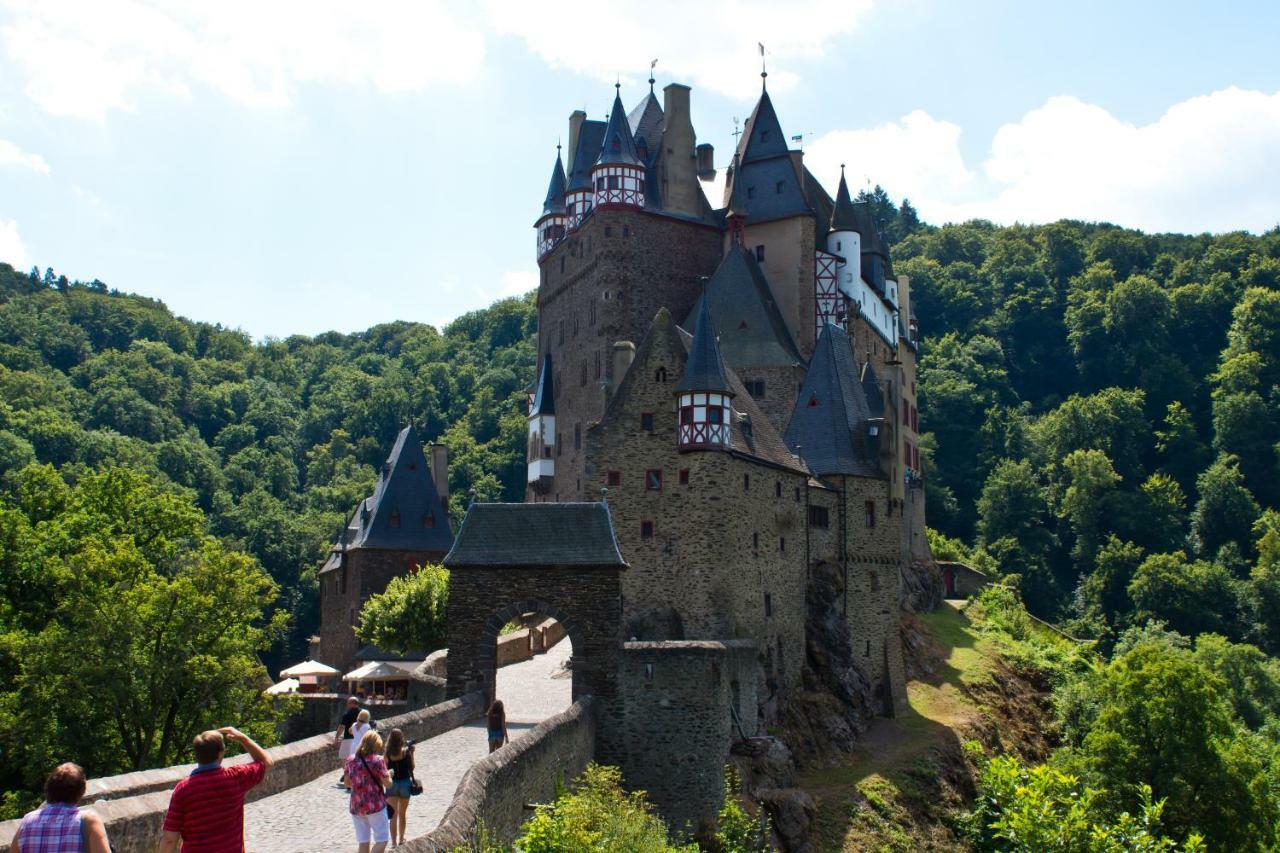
{"x":314,"y":816}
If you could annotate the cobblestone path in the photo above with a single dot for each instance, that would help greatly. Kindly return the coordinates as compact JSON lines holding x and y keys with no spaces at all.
{"x":314,"y":817}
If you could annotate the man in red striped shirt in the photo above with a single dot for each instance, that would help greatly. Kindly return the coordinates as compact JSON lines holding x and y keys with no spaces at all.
{"x":206,"y":811}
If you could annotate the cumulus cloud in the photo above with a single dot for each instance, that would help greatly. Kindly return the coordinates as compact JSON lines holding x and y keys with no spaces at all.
{"x":87,"y":58}
{"x":712,"y":44}
{"x":1206,"y":164}
{"x":12,"y":251}
{"x":516,"y":283}
{"x":12,"y":155}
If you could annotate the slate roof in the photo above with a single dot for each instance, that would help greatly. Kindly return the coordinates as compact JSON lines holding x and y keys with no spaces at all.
{"x":829,"y":422}
{"x":843,"y":216}
{"x":536,"y":535}
{"x":704,"y":371}
{"x":646,"y":121}
{"x":554,"y":202}
{"x":544,"y":399}
{"x":872,"y":391}
{"x":590,"y":138}
{"x":749,"y":327}
{"x":619,"y":146}
{"x":763,"y":137}
{"x":770,"y":187}
{"x":395,"y":516}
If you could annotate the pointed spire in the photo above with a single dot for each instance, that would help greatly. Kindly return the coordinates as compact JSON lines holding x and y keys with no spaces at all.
{"x":843,"y":216}
{"x":619,"y":144}
{"x":554,"y":202}
{"x":704,"y":370}
{"x":762,"y":137}
{"x":544,"y":399}
{"x":737,"y":197}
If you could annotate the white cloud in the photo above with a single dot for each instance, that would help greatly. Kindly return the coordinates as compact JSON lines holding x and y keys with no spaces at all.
{"x":87,"y":58}
{"x":516,"y":283}
{"x":12,"y":155}
{"x":709,"y":44}
{"x":1205,"y":165}
{"x":12,"y":251}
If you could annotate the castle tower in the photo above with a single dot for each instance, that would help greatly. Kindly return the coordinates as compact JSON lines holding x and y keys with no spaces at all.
{"x":703,"y":392}
{"x":585,"y":138}
{"x":551,"y":225}
{"x":542,"y":431}
{"x":619,"y":172}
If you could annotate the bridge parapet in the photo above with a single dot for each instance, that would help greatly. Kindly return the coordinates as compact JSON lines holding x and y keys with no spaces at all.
{"x":133,"y":804}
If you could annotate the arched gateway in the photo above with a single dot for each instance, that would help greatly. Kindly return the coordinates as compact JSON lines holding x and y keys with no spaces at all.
{"x":558,"y":559}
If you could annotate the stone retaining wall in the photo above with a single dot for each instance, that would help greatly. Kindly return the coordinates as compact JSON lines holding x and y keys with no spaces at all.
{"x":133,"y":804}
{"x":497,"y":788}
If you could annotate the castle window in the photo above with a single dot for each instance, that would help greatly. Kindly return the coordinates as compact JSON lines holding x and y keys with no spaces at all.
{"x":560,"y":336}
{"x":764,"y":135}
{"x":597,"y":368}
{"x":577,"y":436}
{"x":684,"y":476}
{"x":646,"y":530}
{"x":660,"y":375}
{"x":813,"y":401}
{"x":867,"y":652}
{"x":746,"y":482}
{"x":755,"y":387}
{"x":777,"y":188}
{"x":653,"y":480}
{"x":755,"y":540}
{"x":760,"y":253}
{"x":819,"y":517}
{"x":777,"y":489}
{"x":613,"y":182}
{"x":614,"y":478}
{"x":768,"y":605}
{"x":626,"y":231}
{"x":608,"y":231}
{"x":582,"y":374}
{"x":413,"y":466}
{"x":782,"y":544}
{"x":429,"y":521}
{"x":871,"y":513}
{"x":394,"y":518}
{"x":839,"y":248}
{"x":592,"y":314}
{"x":906,"y":413}
{"x":797,"y":494}
{"x":751,"y":192}
{"x":646,"y":421}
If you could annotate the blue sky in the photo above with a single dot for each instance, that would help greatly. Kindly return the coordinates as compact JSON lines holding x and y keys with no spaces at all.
{"x":289,"y":167}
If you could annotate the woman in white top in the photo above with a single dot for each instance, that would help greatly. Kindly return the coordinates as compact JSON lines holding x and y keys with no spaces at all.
{"x":358,"y":731}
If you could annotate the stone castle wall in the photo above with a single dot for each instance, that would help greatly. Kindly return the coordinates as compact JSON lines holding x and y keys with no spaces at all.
{"x":600,"y":285}
{"x":677,"y":718}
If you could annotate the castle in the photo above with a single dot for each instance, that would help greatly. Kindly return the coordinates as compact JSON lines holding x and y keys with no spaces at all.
{"x":722,"y":451}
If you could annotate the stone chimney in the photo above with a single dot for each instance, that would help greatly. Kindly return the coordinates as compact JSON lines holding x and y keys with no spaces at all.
{"x":678,"y":174}
{"x":624,"y":352}
{"x":440,"y":472}
{"x":706,"y":157}
{"x":576,"y":118}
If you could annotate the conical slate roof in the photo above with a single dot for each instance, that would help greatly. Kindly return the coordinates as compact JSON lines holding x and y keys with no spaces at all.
{"x":554,"y":202}
{"x":404,"y":512}
{"x":737,"y":193}
{"x":828,"y":426}
{"x":844,"y":217}
{"x":619,"y":147}
{"x":646,"y":123}
{"x":590,"y":137}
{"x":764,"y":173}
{"x":704,"y":371}
{"x":750,"y":330}
{"x":763,"y":137}
{"x":544,"y":399}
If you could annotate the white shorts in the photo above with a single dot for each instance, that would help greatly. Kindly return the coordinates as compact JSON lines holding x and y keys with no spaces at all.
{"x":372,"y":827}
{"x":345,"y":748}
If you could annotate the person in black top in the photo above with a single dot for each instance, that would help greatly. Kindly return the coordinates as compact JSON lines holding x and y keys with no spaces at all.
{"x":399,"y":756}
{"x":343,"y":739}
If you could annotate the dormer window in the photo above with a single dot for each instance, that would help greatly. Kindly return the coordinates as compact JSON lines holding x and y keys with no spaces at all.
{"x":764,"y":135}
{"x":751,"y":192}
{"x":429,"y":521}
{"x":394,"y":518}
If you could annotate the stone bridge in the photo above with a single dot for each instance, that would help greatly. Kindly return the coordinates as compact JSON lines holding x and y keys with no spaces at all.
{"x":299,"y":807}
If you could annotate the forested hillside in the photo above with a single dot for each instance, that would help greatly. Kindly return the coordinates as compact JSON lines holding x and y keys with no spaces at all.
{"x":1100,"y":409}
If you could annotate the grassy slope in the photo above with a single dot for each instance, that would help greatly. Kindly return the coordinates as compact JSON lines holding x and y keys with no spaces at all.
{"x":901,"y":791}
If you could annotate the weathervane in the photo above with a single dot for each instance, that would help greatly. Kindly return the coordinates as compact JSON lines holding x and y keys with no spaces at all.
{"x":736,"y":130}
{"x":764,"y":71}
{"x":652,"y":65}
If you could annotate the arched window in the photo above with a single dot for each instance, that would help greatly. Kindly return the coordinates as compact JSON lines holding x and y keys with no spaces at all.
{"x":660,"y":375}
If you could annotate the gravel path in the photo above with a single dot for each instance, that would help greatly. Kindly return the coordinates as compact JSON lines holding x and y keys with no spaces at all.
{"x":314,"y":816}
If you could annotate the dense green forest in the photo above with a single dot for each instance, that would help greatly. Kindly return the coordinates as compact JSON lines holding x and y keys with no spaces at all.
{"x":1100,"y":408}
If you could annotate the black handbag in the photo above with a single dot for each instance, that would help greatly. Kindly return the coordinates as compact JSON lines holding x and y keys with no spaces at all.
{"x":415,"y":787}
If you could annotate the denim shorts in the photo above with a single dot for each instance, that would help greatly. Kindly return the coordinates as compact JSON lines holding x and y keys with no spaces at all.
{"x":399,"y":788}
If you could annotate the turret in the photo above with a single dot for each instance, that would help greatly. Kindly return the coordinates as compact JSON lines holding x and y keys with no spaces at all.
{"x":542,"y":431}
{"x":618,"y":175}
{"x":551,"y":224}
{"x":843,"y":240}
{"x":703,"y":393}
{"x":584,"y":148}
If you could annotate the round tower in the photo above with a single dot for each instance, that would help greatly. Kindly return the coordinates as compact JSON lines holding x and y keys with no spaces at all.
{"x":618,"y":176}
{"x":703,"y":394}
{"x":843,"y":240}
{"x":551,"y":225}
{"x":542,"y":432}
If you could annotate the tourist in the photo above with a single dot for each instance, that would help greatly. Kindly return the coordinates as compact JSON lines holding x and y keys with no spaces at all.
{"x":497,"y":724}
{"x":206,"y":810}
{"x":367,"y":772}
{"x":362,"y":727}
{"x":59,"y":826}
{"x":399,"y":755}
{"x":343,"y":739}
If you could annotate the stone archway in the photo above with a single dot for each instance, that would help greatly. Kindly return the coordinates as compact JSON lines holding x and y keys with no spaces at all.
{"x":558,"y":559}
